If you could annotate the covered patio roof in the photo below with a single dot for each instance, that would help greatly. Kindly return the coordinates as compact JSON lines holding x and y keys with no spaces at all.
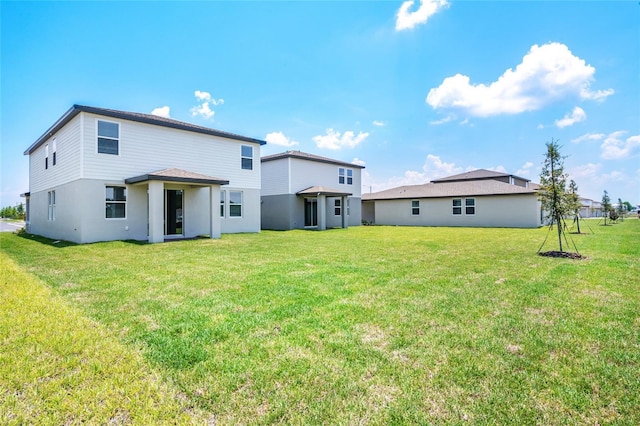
{"x":323,"y":190}
{"x":178,"y":175}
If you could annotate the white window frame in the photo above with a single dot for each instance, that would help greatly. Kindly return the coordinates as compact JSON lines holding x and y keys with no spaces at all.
{"x":46,"y":156}
{"x":53,"y":152}
{"x":415,"y":207}
{"x":244,"y":157}
{"x":348,"y":206}
{"x":51,"y":205}
{"x":98,"y":137}
{"x":468,"y":206}
{"x":341,"y":175}
{"x":465,"y":203}
{"x":454,"y":207}
{"x":107,"y":201}
{"x":349,"y":176}
{"x":222,"y":204}
{"x":232,"y":204}
{"x":337,"y":207}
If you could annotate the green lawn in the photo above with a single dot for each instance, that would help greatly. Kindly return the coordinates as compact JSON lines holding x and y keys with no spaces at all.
{"x":368,"y":325}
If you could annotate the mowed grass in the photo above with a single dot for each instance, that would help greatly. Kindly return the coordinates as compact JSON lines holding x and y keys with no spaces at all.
{"x":368,"y":325}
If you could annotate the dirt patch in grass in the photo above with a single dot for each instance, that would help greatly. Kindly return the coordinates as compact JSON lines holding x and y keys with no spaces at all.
{"x":563,"y":254}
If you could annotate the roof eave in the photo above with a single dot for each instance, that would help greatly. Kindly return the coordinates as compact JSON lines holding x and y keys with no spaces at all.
{"x":148,"y":177}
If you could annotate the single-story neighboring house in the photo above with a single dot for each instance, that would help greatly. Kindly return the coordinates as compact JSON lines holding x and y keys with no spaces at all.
{"x":101,"y":174}
{"x":480,"y":198}
{"x":307,"y":191}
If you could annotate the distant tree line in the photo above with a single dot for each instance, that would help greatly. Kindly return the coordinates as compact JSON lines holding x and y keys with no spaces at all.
{"x":16,"y":212}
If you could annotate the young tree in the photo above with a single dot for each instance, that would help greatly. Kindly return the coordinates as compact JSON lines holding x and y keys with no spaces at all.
{"x":606,"y":205}
{"x":573,"y":202}
{"x":553,"y":184}
{"x":621,"y":209}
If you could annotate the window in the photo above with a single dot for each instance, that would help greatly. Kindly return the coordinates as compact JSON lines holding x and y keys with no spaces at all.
{"x":349,"y":177}
{"x":51,"y":201}
{"x":340,"y":175}
{"x":337,"y":204}
{"x":221,"y":203}
{"x":457,"y":206}
{"x":46,"y":156}
{"x":116,"y":202}
{"x":348,"y":207}
{"x":53,"y":152}
{"x":247,"y":157}
{"x":108,"y":137}
{"x":235,"y":204}
{"x":470,"y":206}
{"x":415,"y":207}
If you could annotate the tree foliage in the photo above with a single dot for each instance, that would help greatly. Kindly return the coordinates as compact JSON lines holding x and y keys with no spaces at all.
{"x":10,"y":212}
{"x":606,"y":205}
{"x":553,"y":188}
{"x":573,"y":202}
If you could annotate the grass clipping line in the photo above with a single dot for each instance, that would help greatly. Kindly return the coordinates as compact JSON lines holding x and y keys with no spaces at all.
{"x":58,"y":367}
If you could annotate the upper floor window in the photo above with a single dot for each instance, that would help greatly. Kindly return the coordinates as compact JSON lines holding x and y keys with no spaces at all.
{"x":340,"y":175}
{"x":247,"y":157}
{"x":415,"y":207}
{"x":53,"y":152}
{"x":46,"y":156}
{"x":115,"y":202}
{"x":108,"y":137}
{"x":349,"y":177}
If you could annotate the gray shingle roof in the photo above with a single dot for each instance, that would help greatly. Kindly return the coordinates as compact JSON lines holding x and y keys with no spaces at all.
{"x":476,"y":175}
{"x":178,"y":175}
{"x":310,"y":157}
{"x":323,"y":190}
{"x":450,"y":189}
{"x":137,"y":117}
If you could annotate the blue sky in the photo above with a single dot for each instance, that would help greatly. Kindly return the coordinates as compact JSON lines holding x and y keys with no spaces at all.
{"x":412,"y":90}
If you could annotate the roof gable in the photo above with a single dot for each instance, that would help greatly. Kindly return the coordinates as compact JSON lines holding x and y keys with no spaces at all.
{"x":136,"y":117}
{"x":479,"y":174}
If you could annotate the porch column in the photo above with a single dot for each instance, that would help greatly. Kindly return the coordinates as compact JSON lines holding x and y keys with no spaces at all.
{"x":214,"y":211}
{"x":344,"y":217}
{"x":322,"y":212}
{"x":156,"y":211}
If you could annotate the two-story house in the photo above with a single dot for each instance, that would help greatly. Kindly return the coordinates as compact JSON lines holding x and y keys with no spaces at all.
{"x":306,"y":191}
{"x":100,"y":174}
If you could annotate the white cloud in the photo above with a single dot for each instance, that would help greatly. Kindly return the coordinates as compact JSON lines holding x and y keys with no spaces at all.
{"x":336,"y":140}
{"x":278,"y":138}
{"x":586,"y":171}
{"x":378,"y":123}
{"x":433,"y":168}
{"x":615,"y":147}
{"x":446,"y":119}
{"x":546,"y":73}
{"x":164,"y":111}
{"x":499,"y":169}
{"x":525,"y":170}
{"x":588,"y":137}
{"x":576,"y":116}
{"x":407,"y":20}
{"x":204,"y":108}
{"x":359,"y":162}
